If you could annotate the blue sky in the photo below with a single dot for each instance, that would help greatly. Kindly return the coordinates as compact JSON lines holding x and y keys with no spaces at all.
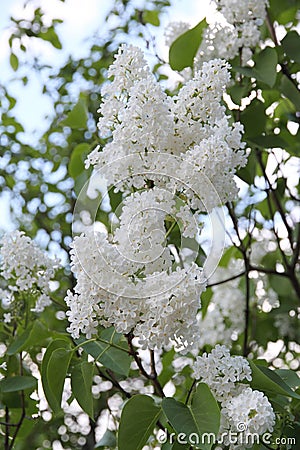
{"x":81,"y":19}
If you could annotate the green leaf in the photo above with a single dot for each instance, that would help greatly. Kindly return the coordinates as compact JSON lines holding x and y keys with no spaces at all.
{"x":81,"y":383}
{"x":281,"y":185}
{"x":14,"y":62}
{"x":206,"y":297}
{"x":290,"y":377}
{"x":54,"y":370}
{"x":290,"y":91}
{"x":247,"y":71}
{"x":280,"y":285}
{"x":270,"y":96}
{"x":265,"y":67}
{"x":177,"y":446}
{"x":168,"y":370}
{"x":112,"y":358}
{"x":267,"y":380}
{"x":166,"y":446}
{"x":254,"y":119}
{"x":78,"y":156}
{"x":77,"y":118}
{"x":183,"y":50}
{"x":17,"y":383}
{"x":138,"y":419}
{"x":19,"y":343}
{"x":237,"y":92}
{"x":80,"y":182}
{"x":31,"y":337}
{"x":107,"y":440}
{"x":291,"y":45}
{"x":269,"y":141}
{"x":51,"y":36}
{"x":283,"y":11}
{"x":151,"y":16}
{"x":248,"y":173}
{"x":200,"y":422}
{"x":179,"y":416}
{"x":229,"y":254}
{"x":115,"y":199}
{"x":206,"y":414}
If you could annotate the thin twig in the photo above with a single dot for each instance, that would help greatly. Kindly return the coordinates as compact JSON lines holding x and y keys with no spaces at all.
{"x":152,"y":377}
{"x":8,"y":424}
{"x":110,"y":376}
{"x":117,"y":384}
{"x":247,"y":308}
{"x":267,"y":271}
{"x":234,"y":277}
{"x":296,"y":251}
{"x":7,"y":431}
{"x":23,"y":412}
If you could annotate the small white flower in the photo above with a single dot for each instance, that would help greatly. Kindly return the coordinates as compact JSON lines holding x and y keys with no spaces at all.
{"x":3,"y":349}
{"x":26,"y":267}
{"x":3,"y":366}
{"x":7,"y":317}
{"x":248,"y":413}
{"x":221,"y":371}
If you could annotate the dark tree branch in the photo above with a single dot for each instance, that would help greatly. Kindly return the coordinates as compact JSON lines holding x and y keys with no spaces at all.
{"x":150,"y":376}
{"x":7,"y":430}
{"x":245,"y":255}
{"x":289,"y":267}
{"x":234,"y":277}
{"x":267,"y":271}
{"x":283,"y":66}
{"x":23,"y":410}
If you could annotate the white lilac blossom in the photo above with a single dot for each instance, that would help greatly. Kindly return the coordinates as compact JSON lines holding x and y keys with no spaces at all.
{"x":126,"y":69}
{"x":174,"y":30}
{"x":235,"y":31}
{"x":235,"y":11}
{"x":141,"y":235}
{"x":252,"y":408}
{"x":165,"y":154}
{"x":221,"y":371}
{"x":111,"y":290}
{"x":25,"y":268}
{"x":244,"y":411}
{"x":148,"y":126}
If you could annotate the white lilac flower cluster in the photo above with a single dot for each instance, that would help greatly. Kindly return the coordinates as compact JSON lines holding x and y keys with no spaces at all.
{"x":148,"y":127}
{"x":171,"y":157}
{"x":110,"y":291}
{"x":243,"y":410}
{"x":25,"y":269}
{"x":235,"y":30}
